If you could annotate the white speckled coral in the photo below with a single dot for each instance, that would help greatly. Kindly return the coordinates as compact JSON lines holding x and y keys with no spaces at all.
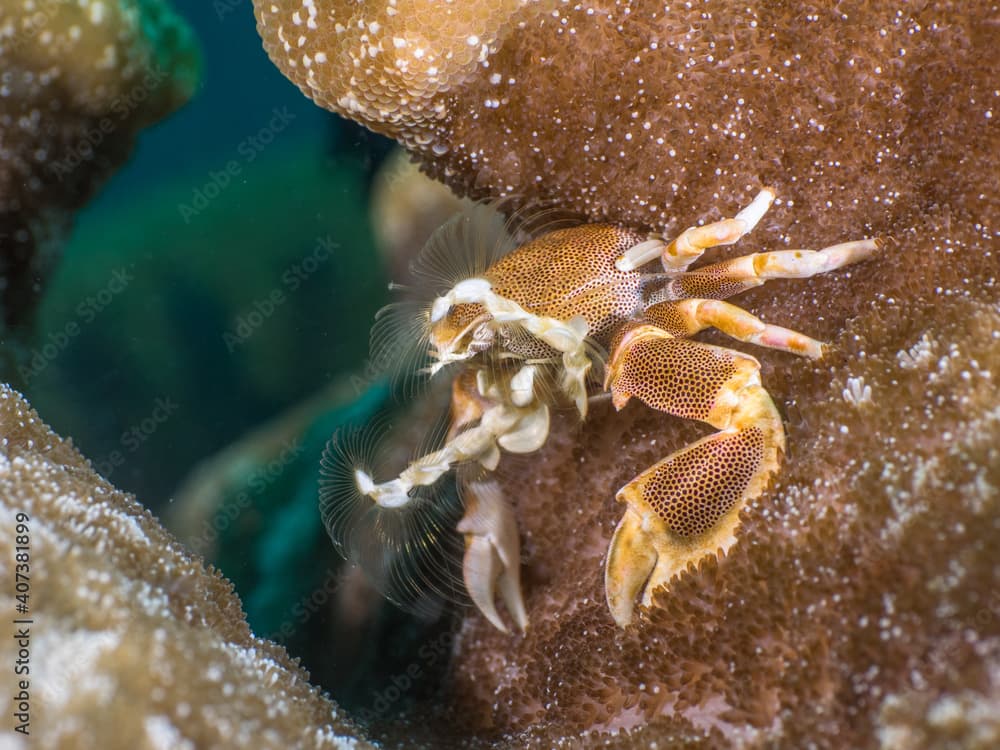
{"x":862,"y":610}
{"x":386,"y":64}
{"x":135,"y":644}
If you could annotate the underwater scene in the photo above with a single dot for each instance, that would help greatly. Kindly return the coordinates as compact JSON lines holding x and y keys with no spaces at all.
{"x":499,"y":374}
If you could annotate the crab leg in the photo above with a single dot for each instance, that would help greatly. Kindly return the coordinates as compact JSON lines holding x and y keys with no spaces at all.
{"x":730,"y":277}
{"x":492,"y":547}
{"x":686,"y":506}
{"x":516,"y":429}
{"x":467,"y":404}
{"x":492,"y":553}
{"x":689,"y":316}
{"x":480,"y":427}
{"x":692,"y":242}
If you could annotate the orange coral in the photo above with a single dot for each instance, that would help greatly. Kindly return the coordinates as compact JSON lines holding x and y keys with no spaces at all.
{"x":387,"y":65}
{"x":863,"y":585}
{"x":866,"y":575}
{"x":652,"y":115}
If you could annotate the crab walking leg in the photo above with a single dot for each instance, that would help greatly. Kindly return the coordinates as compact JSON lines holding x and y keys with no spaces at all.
{"x":686,"y":506}
{"x":689,"y":316}
{"x":492,"y":553}
{"x":692,"y":242}
{"x":467,"y":404}
{"x":730,"y":277}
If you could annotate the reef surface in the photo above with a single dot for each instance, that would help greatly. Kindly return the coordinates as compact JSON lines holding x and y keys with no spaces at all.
{"x":862,"y":592}
{"x":134,"y":642}
{"x":659,"y":115}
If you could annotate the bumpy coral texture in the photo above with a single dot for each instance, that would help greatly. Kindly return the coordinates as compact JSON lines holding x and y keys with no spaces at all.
{"x":135,"y":644}
{"x":387,"y":65}
{"x":657,"y":115}
{"x":859,"y":608}
{"x":78,"y":80}
{"x":863,"y":586}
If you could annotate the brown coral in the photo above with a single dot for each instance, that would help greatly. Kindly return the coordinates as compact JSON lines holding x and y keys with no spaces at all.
{"x":387,"y":65}
{"x":863,"y":588}
{"x":77,"y":82}
{"x":656,"y":116}
{"x":867,"y":574}
{"x":865,"y":580}
{"x":134,"y":643}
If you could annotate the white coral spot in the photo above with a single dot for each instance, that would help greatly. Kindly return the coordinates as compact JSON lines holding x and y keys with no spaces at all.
{"x":918,"y":355}
{"x":857,"y":392}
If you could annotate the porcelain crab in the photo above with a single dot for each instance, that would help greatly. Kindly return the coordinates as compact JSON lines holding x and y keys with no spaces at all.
{"x":551,"y":322}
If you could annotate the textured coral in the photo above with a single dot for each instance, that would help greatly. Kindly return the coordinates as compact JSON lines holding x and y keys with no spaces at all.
{"x":77,"y":82}
{"x":866,"y":580}
{"x":652,"y":115}
{"x":965,"y":719}
{"x":860,"y":605}
{"x":387,"y":65}
{"x":135,"y":644}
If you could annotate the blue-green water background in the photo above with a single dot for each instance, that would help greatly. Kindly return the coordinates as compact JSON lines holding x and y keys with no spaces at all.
{"x":197,"y":302}
{"x":192,"y":277}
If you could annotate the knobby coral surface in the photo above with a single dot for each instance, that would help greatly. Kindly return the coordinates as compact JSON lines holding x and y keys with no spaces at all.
{"x":134,"y":643}
{"x":389,"y":65}
{"x":860,"y":607}
{"x":864,"y":587}
{"x":78,"y":80}
{"x":657,"y":114}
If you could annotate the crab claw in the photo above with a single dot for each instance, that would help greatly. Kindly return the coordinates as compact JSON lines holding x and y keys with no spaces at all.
{"x":686,"y":506}
{"x":631,"y":559}
{"x":492,"y":553}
